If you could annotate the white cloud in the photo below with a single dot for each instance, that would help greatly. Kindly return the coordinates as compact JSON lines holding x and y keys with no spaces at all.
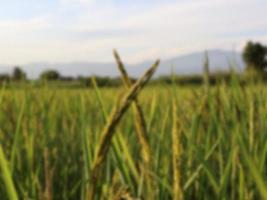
{"x":71,"y":2}
{"x":29,"y":25}
{"x":165,"y":30}
{"x":177,"y":28}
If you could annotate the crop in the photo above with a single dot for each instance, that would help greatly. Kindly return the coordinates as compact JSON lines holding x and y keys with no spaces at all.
{"x":177,"y":142}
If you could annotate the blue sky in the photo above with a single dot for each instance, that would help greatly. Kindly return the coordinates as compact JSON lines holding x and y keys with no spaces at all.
{"x":87,"y":30}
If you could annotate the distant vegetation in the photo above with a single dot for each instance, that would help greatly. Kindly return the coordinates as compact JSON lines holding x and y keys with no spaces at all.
{"x":50,"y":75}
{"x":18,"y":74}
{"x":255,"y":56}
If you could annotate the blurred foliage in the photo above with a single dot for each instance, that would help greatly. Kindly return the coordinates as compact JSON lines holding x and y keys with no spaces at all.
{"x":18,"y":74}
{"x":254,"y":55}
{"x":50,"y":75}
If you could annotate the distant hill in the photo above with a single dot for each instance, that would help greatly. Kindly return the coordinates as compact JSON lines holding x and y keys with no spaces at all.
{"x":186,"y":64}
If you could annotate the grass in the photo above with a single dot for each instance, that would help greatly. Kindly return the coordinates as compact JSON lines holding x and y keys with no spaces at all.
{"x":201,"y":145}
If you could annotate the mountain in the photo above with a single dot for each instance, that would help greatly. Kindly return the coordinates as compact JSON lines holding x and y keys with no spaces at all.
{"x":220,"y":60}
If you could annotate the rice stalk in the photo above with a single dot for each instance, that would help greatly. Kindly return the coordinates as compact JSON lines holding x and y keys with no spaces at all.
{"x":48,"y":193}
{"x":7,"y":177}
{"x":15,"y":145}
{"x":260,"y":182}
{"x":108,"y":132}
{"x":4,"y":165}
{"x":140,"y":123}
{"x":176,"y":156}
{"x":140,"y":126}
{"x":196,"y":173}
{"x":119,"y":143}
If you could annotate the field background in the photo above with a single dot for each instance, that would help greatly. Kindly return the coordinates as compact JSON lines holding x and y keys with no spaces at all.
{"x":49,"y":138}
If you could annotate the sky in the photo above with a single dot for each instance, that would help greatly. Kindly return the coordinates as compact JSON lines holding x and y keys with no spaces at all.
{"x":88,"y":30}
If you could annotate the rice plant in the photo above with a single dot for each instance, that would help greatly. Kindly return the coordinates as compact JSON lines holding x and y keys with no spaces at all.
{"x":61,"y":143}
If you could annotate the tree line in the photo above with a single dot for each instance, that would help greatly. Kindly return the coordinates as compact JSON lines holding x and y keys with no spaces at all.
{"x":254,"y":55}
{"x":18,"y":75}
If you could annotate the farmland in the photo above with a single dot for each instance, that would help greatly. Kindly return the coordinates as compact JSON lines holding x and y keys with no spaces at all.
{"x":202,"y":144}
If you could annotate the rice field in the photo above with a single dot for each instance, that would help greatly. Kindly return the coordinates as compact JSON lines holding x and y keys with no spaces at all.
{"x":174,"y":142}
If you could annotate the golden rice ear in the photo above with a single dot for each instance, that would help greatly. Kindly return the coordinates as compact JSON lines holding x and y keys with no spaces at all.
{"x":140,"y":123}
{"x":109,"y":130}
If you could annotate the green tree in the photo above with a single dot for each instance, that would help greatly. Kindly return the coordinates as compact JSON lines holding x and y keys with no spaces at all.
{"x":18,"y":74}
{"x":50,"y":75}
{"x":254,"y":55}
